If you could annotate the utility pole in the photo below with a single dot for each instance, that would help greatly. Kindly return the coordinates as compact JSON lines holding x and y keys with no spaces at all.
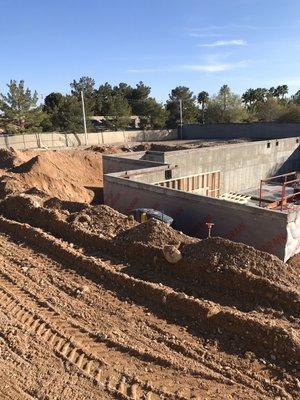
{"x":181,"y":121}
{"x":84,"y":119}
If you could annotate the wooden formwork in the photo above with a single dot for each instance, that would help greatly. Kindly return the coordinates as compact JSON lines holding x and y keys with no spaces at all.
{"x":207,"y":183}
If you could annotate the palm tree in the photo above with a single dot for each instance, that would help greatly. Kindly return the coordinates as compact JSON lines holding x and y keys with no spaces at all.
{"x":260,"y":94}
{"x":202,"y":100}
{"x":282,"y":90}
{"x":249,"y":97}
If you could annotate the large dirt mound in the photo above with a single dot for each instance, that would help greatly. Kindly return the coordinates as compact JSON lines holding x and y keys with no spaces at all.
{"x":68,"y":175}
{"x":155,"y":233}
{"x":102,"y":220}
{"x":223,"y":253}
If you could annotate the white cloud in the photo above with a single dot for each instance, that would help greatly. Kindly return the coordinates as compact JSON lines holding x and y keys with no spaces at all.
{"x":235,"y":42}
{"x":209,"y":67}
{"x":213,"y":67}
{"x":206,"y":68}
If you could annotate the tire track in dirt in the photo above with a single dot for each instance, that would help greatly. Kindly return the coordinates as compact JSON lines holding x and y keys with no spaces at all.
{"x":214,"y":371}
{"x":66,"y":342}
{"x":206,"y":371}
{"x":71,"y":261}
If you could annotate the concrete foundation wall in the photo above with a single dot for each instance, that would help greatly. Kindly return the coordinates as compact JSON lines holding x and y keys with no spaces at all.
{"x":261,"y":228}
{"x":242,"y":165}
{"x":121,"y":163}
{"x":258,"y":130}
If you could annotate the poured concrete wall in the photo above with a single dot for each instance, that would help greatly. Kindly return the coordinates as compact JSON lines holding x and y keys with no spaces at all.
{"x":257,"y":130}
{"x":113,"y":164}
{"x":242,"y":165}
{"x":261,"y":228}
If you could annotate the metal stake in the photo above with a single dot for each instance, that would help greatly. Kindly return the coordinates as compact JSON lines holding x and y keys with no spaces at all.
{"x":209,"y":226}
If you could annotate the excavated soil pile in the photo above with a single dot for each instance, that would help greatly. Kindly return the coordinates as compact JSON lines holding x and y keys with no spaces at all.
{"x":155,"y":233}
{"x":295,"y":262}
{"x":25,"y":208}
{"x":68,"y":175}
{"x":10,"y":158}
{"x":102,"y":220}
{"x":111,"y":149}
{"x":64,"y":205}
{"x":223,"y":253}
{"x":160,"y":146}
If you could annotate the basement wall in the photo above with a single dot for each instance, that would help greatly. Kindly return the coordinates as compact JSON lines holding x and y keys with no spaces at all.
{"x":264,"y":229}
{"x":242,"y":165}
{"x":256,"y":130}
{"x":128,"y":162}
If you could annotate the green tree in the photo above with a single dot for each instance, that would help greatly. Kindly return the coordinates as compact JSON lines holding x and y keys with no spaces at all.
{"x":154,"y":115}
{"x":249,"y":97}
{"x":138,"y":99}
{"x":52,"y":107}
{"x":281,"y":91}
{"x":118,"y":113}
{"x":269,"y":110}
{"x":70,"y":115}
{"x":124,"y":90}
{"x":226,"y":107}
{"x":296,"y":98}
{"x":291,"y":113}
{"x":103,"y":96}
{"x":19,"y":108}
{"x":86,"y":85}
{"x":190,"y":111}
{"x":203,"y":98}
{"x":224,"y":96}
{"x":64,"y":113}
{"x":261,"y":94}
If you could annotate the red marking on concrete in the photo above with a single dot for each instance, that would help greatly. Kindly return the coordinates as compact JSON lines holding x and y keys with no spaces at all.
{"x":114,"y":199}
{"x":132,"y":204}
{"x":274,"y":242}
{"x":236,"y":231}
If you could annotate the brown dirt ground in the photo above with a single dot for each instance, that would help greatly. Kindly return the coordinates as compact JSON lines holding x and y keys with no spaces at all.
{"x":50,"y":315}
{"x":119,"y":322}
{"x":155,"y":233}
{"x":101,"y":220}
{"x":74,"y":175}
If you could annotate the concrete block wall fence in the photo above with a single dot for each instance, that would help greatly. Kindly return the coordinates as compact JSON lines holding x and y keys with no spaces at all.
{"x":255,"y":130}
{"x":65,"y":140}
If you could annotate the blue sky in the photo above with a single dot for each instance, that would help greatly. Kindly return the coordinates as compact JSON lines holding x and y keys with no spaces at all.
{"x":164,"y":43}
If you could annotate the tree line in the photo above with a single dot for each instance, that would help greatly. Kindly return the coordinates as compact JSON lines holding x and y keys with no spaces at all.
{"x":20,"y":109}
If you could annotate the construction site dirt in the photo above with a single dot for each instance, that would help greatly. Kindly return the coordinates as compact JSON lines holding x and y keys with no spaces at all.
{"x":91,"y":309}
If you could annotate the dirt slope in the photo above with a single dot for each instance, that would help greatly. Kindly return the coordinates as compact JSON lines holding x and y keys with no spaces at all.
{"x":69,"y":175}
{"x":154,"y":233}
{"x":90,"y":308}
{"x":93,"y":343}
